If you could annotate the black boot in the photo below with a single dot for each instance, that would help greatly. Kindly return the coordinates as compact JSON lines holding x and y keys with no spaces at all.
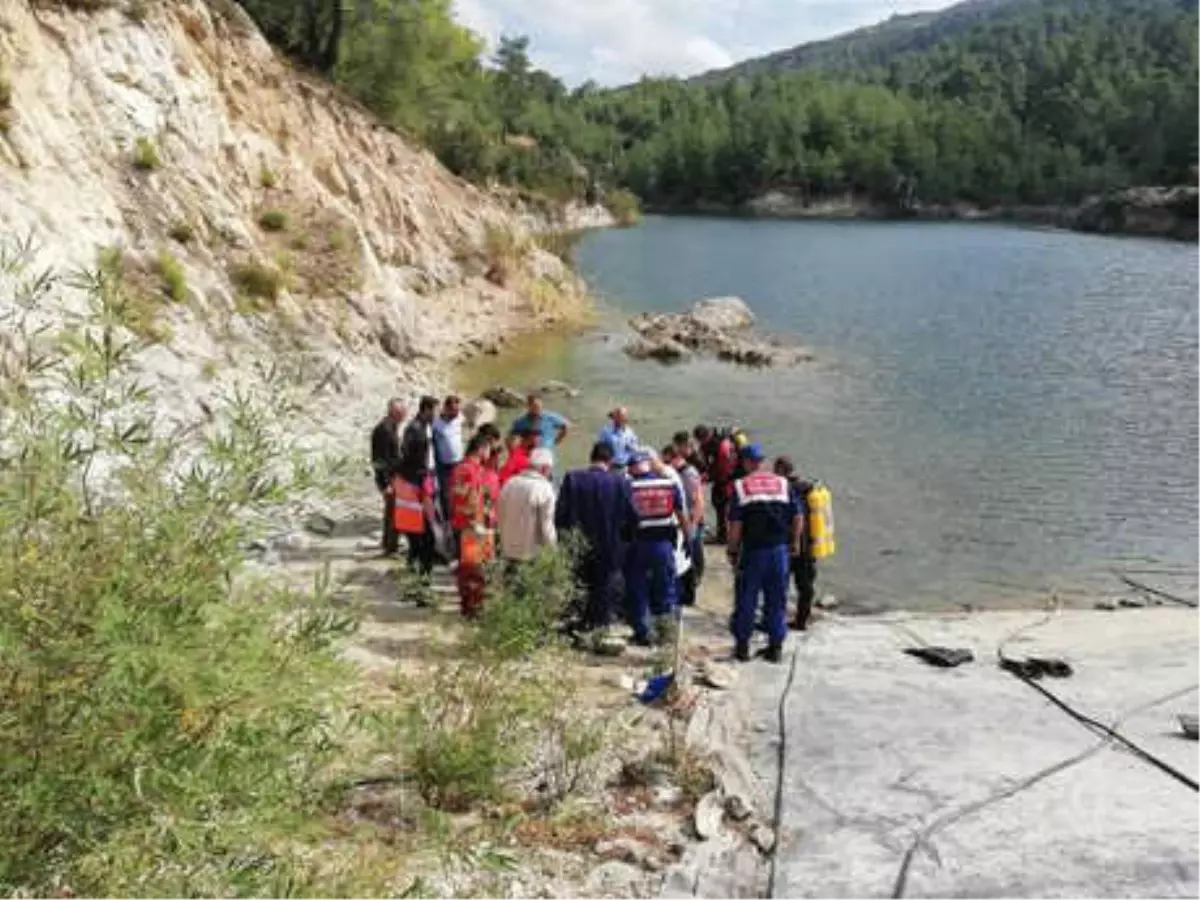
{"x":773,"y":653}
{"x":798,"y":624}
{"x":741,"y":651}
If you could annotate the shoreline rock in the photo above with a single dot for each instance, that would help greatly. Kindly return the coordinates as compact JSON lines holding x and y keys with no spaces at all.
{"x":716,"y":326}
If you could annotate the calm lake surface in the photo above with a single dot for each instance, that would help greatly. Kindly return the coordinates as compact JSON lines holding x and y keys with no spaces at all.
{"x":1000,"y":412}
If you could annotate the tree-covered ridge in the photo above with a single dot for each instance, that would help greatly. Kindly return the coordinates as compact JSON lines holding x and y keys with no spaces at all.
{"x":1022,"y":101}
{"x":874,"y":45}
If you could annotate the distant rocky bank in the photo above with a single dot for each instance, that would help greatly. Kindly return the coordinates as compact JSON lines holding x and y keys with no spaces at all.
{"x":1166,"y":212}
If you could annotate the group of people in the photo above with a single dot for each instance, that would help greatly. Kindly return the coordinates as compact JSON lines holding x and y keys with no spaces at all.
{"x":642,"y":515}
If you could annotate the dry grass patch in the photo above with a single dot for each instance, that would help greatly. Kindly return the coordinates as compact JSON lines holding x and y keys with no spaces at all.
{"x":173,"y":280}
{"x":257,"y":282}
{"x":503,"y":251}
{"x":145,"y":155}
{"x":273,"y":220}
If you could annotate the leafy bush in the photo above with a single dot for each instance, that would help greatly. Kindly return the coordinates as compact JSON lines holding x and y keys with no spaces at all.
{"x":273,"y":220}
{"x":163,"y":720}
{"x":625,"y":207}
{"x":137,"y":310}
{"x":506,"y":700}
{"x":257,"y":281}
{"x":145,"y":155}
{"x":571,"y":742}
{"x":174,"y":281}
{"x":267,"y":178}
{"x":468,"y":728}
{"x":524,"y":607}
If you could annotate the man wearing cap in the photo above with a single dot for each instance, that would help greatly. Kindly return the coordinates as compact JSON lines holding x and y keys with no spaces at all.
{"x":650,"y":563}
{"x":764,"y":525}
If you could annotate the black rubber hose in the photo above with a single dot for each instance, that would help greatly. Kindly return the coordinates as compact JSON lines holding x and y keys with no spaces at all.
{"x":1109,"y":734}
{"x":1165,"y":595}
{"x":1143,"y":754}
{"x":781,"y":762}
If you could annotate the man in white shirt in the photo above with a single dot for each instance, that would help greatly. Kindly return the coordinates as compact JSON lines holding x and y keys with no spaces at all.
{"x":447,"y":447}
{"x":526,"y":510}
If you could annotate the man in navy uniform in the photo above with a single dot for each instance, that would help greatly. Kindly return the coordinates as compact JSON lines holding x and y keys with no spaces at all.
{"x":764,"y":531}
{"x":597,"y":503}
{"x":650,"y":561}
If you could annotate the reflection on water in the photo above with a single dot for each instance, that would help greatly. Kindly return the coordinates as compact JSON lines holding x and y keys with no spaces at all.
{"x":1001,"y":412}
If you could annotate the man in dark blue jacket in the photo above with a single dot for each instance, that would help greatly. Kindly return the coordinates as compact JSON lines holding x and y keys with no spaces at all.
{"x":650,"y":578}
{"x":764,"y":531}
{"x":597,"y":503}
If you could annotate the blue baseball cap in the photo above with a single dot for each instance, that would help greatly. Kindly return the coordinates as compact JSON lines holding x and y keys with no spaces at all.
{"x":753,"y":452}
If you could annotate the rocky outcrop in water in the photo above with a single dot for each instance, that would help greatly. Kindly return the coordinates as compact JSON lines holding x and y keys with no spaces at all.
{"x":717,"y":327}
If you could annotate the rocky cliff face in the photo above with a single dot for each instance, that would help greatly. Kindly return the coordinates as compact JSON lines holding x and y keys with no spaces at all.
{"x":255,"y":210}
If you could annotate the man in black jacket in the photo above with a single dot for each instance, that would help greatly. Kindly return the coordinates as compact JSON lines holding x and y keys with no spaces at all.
{"x":385,"y":460}
{"x":803,"y":566}
{"x":417,"y":468}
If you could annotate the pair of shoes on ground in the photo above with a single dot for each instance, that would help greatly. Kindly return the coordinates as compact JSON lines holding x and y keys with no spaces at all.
{"x":772,"y":653}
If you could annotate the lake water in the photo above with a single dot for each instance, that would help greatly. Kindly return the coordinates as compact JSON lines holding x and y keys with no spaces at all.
{"x":1001,"y":413}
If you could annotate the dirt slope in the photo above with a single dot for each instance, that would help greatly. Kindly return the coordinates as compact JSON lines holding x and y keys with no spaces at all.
{"x":173,"y":128}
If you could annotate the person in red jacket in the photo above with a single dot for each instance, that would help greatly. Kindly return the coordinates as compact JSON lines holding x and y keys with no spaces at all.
{"x":720,"y":457}
{"x":471,"y":505}
{"x":491,"y":468}
{"x":518,"y":454}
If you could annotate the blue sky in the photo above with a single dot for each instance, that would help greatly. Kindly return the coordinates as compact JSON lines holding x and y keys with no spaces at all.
{"x":616,"y":41}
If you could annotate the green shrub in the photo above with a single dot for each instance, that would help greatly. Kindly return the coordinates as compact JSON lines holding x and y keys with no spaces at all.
{"x":164,"y":720}
{"x":625,"y":207}
{"x":174,"y":280}
{"x":464,"y":732}
{"x":523,"y":609}
{"x":145,"y":155}
{"x":136,"y":310}
{"x":267,"y":178}
{"x":138,"y":10}
{"x":273,"y":220}
{"x":257,"y":281}
{"x":339,"y":240}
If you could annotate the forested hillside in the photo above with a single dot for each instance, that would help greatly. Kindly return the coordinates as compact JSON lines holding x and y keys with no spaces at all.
{"x":1021,"y":101}
{"x":875,"y":45}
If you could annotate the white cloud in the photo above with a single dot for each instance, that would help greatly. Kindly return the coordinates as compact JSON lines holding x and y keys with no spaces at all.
{"x":617,"y":41}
